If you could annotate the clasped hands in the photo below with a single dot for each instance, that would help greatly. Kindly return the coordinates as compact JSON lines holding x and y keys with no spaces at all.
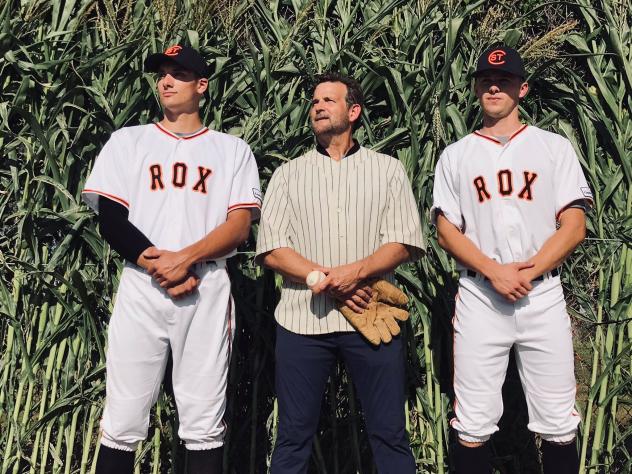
{"x":171,"y":270}
{"x":373,"y":307}
{"x":345,"y":284}
{"x":512,"y":280}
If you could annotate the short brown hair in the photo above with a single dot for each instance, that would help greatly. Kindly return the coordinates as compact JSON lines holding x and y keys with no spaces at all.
{"x":354,"y":91}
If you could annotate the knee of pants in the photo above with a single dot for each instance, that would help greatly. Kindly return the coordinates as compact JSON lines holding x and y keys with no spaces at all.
{"x":123,"y":425}
{"x":296,"y":432}
{"x":389,"y":428}
{"x":202,"y":427}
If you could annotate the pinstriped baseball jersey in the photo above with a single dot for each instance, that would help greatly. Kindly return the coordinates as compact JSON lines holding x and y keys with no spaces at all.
{"x":177,"y":189}
{"x":334,"y":213}
{"x":506,"y":198}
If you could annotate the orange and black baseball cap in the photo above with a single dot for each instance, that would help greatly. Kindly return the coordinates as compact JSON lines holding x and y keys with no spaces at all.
{"x":500,"y":58}
{"x":185,"y":56}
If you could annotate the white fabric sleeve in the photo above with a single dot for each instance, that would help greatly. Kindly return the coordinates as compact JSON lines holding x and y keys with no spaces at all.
{"x":274,"y":227}
{"x":108,"y":177}
{"x":245,"y":190}
{"x":570,"y":184}
{"x":401,"y":223}
{"x":445,"y":193}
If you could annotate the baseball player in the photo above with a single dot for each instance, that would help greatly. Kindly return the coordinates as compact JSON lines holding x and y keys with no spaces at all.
{"x":175,"y":199}
{"x":349,"y":212}
{"x":509,"y":205}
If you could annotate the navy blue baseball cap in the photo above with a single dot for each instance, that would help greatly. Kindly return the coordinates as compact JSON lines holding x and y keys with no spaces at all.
{"x":184,"y":56}
{"x":500,"y":58}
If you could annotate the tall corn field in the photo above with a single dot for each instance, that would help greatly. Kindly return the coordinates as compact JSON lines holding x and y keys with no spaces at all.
{"x":70,"y":74}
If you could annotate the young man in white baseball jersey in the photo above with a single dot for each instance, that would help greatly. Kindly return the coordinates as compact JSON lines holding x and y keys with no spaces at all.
{"x":349,"y":212}
{"x":509,"y":205}
{"x":175,"y":199}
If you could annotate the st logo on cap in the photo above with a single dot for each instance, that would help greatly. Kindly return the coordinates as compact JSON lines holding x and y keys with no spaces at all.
{"x":496,"y":57}
{"x":500,"y":58}
{"x":173,"y":50}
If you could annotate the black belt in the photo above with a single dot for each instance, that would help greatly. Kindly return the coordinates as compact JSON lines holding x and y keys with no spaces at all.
{"x":553,"y":273}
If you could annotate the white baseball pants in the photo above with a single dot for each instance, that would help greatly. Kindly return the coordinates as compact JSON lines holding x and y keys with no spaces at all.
{"x":486,"y":326}
{"x":145,"y":324}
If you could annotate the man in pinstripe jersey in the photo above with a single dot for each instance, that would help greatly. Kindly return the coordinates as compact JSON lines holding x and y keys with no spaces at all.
{"x":350,"y":213}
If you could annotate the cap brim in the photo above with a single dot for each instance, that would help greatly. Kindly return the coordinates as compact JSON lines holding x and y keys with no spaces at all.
{"x":153,"y":63}
{"x":478,"y":72}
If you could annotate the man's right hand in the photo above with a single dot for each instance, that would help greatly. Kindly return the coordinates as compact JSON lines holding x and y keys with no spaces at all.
{"x":179,"y":290}
{"x":509,"y":282}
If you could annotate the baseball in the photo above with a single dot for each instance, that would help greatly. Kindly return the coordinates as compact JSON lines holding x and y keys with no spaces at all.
{"x":314,"y":277}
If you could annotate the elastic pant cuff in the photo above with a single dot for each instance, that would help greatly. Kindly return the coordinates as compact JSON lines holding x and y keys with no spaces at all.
{"x":196,"y":446}
{"x":473,"y":439}
{"x":559,"y":439}
{"x":118,"y":445}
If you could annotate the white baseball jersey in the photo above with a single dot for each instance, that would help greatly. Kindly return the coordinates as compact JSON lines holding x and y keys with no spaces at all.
{"x":507,"y":198}
{"x":177,"y":189}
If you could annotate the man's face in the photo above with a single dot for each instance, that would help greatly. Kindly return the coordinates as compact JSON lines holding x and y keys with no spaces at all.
{"x":179,"y":89}
{"x":499,"y":92}
{"x":330,"y":114}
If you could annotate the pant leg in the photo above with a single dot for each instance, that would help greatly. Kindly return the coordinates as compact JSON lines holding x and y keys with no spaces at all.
{"x":544,"y":355}
{"x":137,"y":354}
{"x":484,"y":331}
{"x":378,"y":374}
{"x":303,"y":364}
{"x":201,"y":334}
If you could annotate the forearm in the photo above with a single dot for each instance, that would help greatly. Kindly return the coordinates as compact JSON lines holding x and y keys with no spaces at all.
{"x":507,"y":279}
{"x":384,"y":260}
{"x":453,"y":241}
{"x":289,"y":263}
{"x":123,"y":236}
{"x":220,"y":241}
{"x":561,"y":244}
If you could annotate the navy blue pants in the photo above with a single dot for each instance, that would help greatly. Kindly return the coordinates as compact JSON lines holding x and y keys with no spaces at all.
{"x":303,"y":364}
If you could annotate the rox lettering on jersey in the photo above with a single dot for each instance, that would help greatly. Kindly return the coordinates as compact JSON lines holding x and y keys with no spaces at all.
{"x":506,"y":185}
{"x":179,"y":177}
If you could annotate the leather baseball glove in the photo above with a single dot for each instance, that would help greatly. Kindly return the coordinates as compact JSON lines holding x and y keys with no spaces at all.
{"x":378,"y":323}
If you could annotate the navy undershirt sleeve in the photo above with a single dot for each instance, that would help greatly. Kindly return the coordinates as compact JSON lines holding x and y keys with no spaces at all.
{"x":119,"y":232}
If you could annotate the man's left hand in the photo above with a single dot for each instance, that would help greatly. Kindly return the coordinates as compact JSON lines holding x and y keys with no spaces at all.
{"x":340,"y":281}
{"x":167,"y":268}
{"x":185,"y":288}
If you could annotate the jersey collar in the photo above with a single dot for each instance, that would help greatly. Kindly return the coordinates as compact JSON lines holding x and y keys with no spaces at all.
{"x":498,"y":142}
{"x":323,"y":151}
{"x":173,"y":135}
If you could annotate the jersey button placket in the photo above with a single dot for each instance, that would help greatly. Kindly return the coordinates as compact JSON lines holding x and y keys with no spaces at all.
{"x":503,"y":161}
{"x":342,"y":205}
{"x":333,"y":198}
{"x":513,"y":218}
{"x":173,"y":208}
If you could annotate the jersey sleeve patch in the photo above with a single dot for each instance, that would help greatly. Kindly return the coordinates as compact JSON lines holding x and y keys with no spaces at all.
{"x":586,"y":192}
